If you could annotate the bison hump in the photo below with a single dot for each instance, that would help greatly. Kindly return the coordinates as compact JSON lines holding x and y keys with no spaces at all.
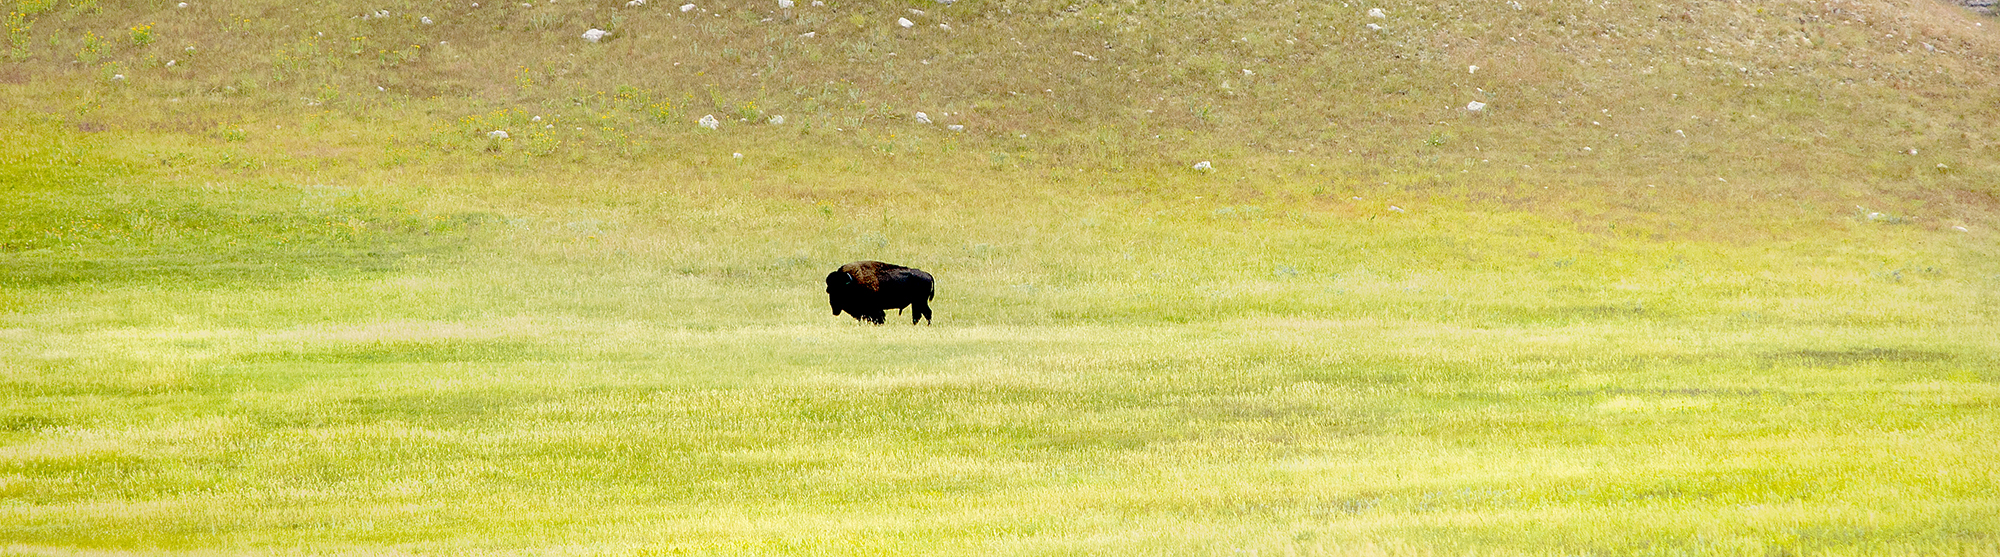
{"x":869,"y":273}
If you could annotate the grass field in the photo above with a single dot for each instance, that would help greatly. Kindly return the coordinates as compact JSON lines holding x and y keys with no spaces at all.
{"x":286,"y":296}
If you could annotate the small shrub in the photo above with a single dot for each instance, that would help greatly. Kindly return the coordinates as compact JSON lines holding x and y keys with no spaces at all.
{"x":662,"y":112}
{"x":142,"y":35}
{"x":92,"y":50}
{"x":18,"y":29}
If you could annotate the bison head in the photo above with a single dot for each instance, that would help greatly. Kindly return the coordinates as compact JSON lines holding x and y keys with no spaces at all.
{"x":840,"y":286}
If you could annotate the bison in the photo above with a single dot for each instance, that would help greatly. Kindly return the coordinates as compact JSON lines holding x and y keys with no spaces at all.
{"x":866,"y":289}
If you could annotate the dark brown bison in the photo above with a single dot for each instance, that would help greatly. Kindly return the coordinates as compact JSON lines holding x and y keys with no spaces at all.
{"x":866,"y":289}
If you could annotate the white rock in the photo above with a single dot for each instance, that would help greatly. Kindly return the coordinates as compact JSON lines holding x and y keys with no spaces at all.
{"x":785,"y":4}
{"x":1472,"y":69}
{"x":923,"y":118}
{"x":818,"y":3}
{"x":955,"y":127}
{"x":635,"y":3}
{"x":1397,"y":209}
{"x":1376,"y":12}
{"x":1375,"y":27}
{"x":809,"y":34}
{"x":426,"y":20}
{"x":1475,"y":106}
{"x":1961,"y":229}
{"x":944,"y":26}
{"x":171,"y":63}
{"x":181,"y":5}
{"x":535,"y":119}
{"x":687,"y":8}
{"x":594,"y":35}
{"x":710,"y":122}
{"x":1204,"y":166}
{"x":118,"y":77}
{"x":905,"y":22}
{"x":736,"y":155}
{"x":496,"y":134}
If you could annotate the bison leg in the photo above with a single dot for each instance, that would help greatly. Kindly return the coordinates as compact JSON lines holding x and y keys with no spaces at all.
{"x":920,"y":310}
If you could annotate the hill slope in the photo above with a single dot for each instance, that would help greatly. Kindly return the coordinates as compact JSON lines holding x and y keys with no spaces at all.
{"x":1659,"y":92}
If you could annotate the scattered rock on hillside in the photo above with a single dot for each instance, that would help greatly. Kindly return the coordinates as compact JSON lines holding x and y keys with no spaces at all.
{"x":496,"y":134}
{"x":1204,"y":166}
{"x":710,"y":122}
{"x":923,"y":118}
{"x":905,"y":22}
{"x":1475,"y":106}
{"x":594,"y":35}
{"x":1377,"y":12}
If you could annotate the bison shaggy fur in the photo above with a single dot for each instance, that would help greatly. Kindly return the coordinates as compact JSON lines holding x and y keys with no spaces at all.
{"x":867,"y":289}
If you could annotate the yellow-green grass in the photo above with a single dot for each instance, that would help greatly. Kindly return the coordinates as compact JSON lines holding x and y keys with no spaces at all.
{"x":249,"y":304}
{"x":465,"y":361}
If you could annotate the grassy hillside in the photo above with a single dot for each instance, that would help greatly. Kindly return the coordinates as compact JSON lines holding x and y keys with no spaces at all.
{"x":1698,"y":278}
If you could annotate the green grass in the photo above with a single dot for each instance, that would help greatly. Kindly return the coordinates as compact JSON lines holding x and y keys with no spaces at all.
{"x":251,"y":304}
